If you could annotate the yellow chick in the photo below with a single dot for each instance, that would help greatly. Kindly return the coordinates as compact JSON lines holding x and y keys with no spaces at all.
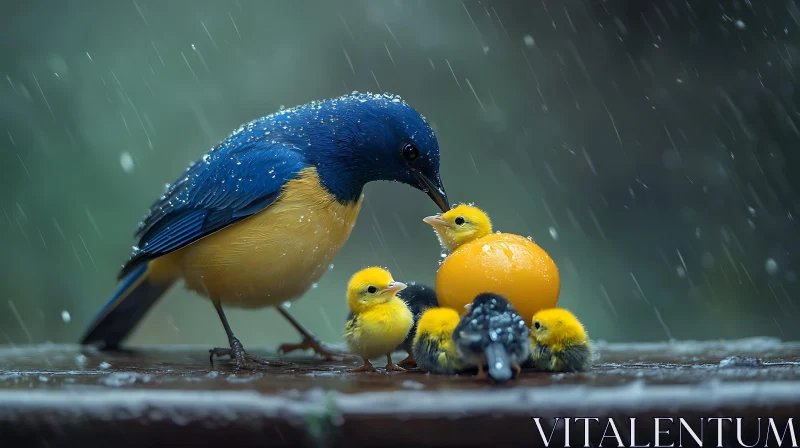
{"x":559,"y":342}
{"x":481,"y":261}
{"x":379,"y":320}
{"x":434,"y":350}
{"x":460,"y":226}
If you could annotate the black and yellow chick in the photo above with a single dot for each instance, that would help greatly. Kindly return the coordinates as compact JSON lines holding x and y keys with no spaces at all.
{"x":559,"y":342}
{"x":419,"y":298}
{"x":434,"y":349}
{"x":380,"y":320}
{"x":492,"y":333}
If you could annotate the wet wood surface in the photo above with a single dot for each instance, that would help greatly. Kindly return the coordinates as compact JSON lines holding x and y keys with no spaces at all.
{"x":73,"y":396}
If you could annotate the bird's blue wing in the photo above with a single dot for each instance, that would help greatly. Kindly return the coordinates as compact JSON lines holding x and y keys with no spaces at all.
{"x":241,"y":176}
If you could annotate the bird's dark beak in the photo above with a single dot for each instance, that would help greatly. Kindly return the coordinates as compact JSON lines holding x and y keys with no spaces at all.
{"x":434,"y":189}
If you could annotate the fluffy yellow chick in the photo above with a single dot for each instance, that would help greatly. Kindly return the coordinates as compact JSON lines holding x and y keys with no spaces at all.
{"x":460,"y":225}
{"x":559,"y":342}
{"x":434,"y":350}
{"x":379,"y":320}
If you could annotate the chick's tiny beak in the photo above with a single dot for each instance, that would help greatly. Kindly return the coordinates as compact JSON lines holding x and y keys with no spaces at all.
{"x":435,"y":221}
{"x":433,"y":188}
{"x":395,"y":287}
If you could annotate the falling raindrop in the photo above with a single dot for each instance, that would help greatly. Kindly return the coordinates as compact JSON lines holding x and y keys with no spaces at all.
{"x":453,"y":73}
{"x":529,"y":42}
{"x":126,"y":161}
{"x":66,"y":317}
{"x":771,"y":266}
{"x":553,"y":233}
{"x":209,"y":34}
{"x":234,"y":26}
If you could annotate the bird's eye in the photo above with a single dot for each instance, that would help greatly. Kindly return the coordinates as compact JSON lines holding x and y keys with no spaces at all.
{"x":460,"y":220}
{"x":410,"y":152}
{"x":536,"y":325}
{"x":372,"y":290}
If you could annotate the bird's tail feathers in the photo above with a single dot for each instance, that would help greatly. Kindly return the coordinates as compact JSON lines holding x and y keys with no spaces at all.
{"x":497,"y":360}
{"x":134,"y":296}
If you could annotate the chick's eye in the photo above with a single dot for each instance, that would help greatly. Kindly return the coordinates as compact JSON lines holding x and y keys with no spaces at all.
{"x":536,"y":325}
{"x":410,"y":152}
{"x":460,"y":220}
{"x":372,"y":290}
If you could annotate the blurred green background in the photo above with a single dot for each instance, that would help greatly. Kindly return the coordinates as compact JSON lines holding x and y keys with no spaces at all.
{"x":649,"y":147}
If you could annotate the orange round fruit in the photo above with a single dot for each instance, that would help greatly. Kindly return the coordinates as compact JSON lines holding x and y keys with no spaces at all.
{"x":502,"y":263}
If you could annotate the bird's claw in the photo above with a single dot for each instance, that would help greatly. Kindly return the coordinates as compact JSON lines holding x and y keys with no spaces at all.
{"x":218,"y":352}
{"x":516,"y":369}
{"x":319,"y":347}
{"x":367,"y":367}
{"x":394,"y":368}
{"x":408,"y":362}
{"x":244,"y":360}
{"x":482,"y":374}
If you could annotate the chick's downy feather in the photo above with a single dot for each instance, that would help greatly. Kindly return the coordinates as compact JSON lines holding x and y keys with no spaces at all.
{"x":378,"y":330}
{"x":419,"y":298}
{"x":559,"y":342}
{"x":434,"y":349}
{"x":379,"y":321}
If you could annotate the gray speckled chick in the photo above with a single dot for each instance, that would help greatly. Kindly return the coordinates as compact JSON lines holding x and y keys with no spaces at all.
{"x":492,"y":333}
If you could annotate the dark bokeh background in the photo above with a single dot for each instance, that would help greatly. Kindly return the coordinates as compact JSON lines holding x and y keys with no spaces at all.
{"x":650,"y":147}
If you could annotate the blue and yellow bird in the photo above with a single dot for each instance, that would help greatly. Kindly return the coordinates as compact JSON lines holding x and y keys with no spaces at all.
{"x":259,"y":218}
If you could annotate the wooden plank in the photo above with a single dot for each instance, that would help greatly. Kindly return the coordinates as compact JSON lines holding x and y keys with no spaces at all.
{"x":65,"y":395}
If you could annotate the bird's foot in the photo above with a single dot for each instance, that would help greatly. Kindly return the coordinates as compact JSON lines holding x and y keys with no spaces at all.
{"x":244,"y":360}
{"x":482,"y":374}
{"x":367,"y":367}
{"x":319,"y":347}
{"x":408,"y":362}
{"x":516,"y":369}
{"x":391,"y":367}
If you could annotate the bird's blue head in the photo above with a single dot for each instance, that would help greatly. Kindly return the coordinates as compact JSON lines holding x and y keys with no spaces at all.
{"x":361,"y":138}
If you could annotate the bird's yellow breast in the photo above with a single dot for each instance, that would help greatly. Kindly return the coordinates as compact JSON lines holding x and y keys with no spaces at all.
{"x":379,"y":330}
{"x":273,"y":256}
